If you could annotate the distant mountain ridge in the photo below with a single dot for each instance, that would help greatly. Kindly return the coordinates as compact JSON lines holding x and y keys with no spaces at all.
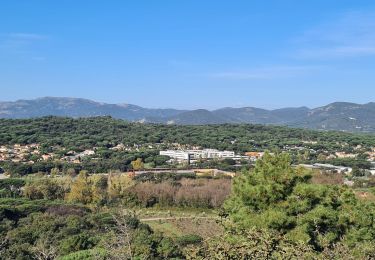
{"x":342,"y":116}
{"x":78,"y":107}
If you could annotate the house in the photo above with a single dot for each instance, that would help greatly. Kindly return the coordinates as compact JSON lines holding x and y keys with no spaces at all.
{"x":254,"y":155}
{"x":345,"y":155}
{"x":88,"y":152}
{"x":339,"y":169}
{"x":119,"y":147}
{"x":46,"y":157}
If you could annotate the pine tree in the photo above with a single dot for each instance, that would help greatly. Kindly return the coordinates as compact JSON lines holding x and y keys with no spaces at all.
{"x":278,"y":197}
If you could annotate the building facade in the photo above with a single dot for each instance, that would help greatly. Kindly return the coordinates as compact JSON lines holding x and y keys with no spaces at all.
{"x":182,"y":155}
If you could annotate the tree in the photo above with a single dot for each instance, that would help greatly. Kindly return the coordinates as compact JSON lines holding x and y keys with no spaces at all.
{"x":118,"y":185}
{"x":99,"y":189}
{"x":71,"y":172}
{"x":137,"y":164}
{"x":276,"y":197}
{"x":119,"y":244}
{"x":45,"y":249}
{"x":45,"y":188}
{"x":81,"y":190}
{"x":357,"y":172}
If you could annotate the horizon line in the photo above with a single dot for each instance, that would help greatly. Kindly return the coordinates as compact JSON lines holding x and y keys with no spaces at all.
{"x":186,"y":109}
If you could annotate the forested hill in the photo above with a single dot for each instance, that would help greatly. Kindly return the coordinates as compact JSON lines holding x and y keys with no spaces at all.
{"x":106,"y":132}
{"x":339,"y":116}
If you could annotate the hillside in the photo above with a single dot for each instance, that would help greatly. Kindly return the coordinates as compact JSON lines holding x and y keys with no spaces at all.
{"x":339,"y":116}
{"x":78,"y":107}
{"x":86,"y":133}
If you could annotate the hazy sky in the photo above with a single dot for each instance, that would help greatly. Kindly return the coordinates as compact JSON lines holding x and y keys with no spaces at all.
{"x":189,"y":53}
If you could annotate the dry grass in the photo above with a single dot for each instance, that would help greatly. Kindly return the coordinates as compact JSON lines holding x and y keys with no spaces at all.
{"x":204,"y":193}
{"x":365,"y":195}
{"x":327,"y":178}
{"x":205,"y":228}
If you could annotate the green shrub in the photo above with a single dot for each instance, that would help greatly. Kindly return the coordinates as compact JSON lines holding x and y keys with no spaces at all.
{"x":190,"y":239}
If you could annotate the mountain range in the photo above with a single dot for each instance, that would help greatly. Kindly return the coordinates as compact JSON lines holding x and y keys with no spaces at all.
{"x":342,"y":116}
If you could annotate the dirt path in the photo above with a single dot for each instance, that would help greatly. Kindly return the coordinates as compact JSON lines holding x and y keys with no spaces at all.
{"x":174,"y":218}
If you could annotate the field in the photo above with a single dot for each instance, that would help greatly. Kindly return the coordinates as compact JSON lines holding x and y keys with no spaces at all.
{"x":177,"y":222}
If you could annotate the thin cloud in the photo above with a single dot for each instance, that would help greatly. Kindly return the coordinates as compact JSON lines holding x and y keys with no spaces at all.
{"x":348,"y":35}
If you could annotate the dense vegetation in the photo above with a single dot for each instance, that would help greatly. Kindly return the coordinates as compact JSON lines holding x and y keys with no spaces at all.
{"x":78,"y":134}
{"x":79,"y":218}
{"x":271,"y":211}
{"x":61,"y":135}
{"x":275,"y":212}
{"x":109,"y":160}
{"x":43,"y":230}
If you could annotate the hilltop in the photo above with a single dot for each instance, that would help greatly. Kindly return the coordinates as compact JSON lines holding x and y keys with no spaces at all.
{"x":341,"y":116}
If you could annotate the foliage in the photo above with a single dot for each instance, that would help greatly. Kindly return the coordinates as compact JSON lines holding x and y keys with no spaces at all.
{"x":265,"y":244}
{"x":45,"y":188}
{"x":279,"y":199}
{"x":137,"y":164}
{"x":70,"y":232}
{"x":195,"y":193}
{"x":97,"y":253}
{"x":60,"y":135}
{"x":189,"y":239}
{"x":86,"y":133}
{"x":11,"y":187}
{"x":81,"y":190}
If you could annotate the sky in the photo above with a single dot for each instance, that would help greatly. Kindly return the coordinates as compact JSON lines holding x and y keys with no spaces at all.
{"x":189,"y":54}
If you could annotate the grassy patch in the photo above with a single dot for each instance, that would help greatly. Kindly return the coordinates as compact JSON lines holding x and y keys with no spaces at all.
{"x":165,"y":227}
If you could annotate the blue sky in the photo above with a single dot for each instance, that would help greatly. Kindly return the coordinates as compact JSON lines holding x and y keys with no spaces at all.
{"x":189,"y":54}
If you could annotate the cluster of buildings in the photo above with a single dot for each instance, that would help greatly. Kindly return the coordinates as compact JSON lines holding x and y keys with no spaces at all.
{"x":180,"y":153}
{"x":18,"y":153}
{"x":134,"y":147}
{"x":371,"y":155}
{"x":31,"y":153}
{"x":75,"y":157}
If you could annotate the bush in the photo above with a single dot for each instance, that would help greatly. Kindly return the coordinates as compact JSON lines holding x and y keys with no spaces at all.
{"x":11,"y":187}
{"x":96,"y":253}
{"x":190,"y":239}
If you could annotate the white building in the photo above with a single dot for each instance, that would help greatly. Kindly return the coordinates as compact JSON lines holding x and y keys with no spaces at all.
{"x":338,"y":169}
{"x":181,"y":155}
{"x":176,"y":154}
{"x":210,"y":154}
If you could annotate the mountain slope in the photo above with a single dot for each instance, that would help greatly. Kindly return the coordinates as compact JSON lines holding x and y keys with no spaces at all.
{"x":197,"y":117}
{"x":336,"y":116}
{"x":341,"y":116}
{"x":246,"y":115}
{"x":78,"y":107}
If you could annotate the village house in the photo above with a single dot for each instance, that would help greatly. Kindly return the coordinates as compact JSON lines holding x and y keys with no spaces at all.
{"x":46,"y":157}
{"x":345,"y":155}
{"x":254,"y":155}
